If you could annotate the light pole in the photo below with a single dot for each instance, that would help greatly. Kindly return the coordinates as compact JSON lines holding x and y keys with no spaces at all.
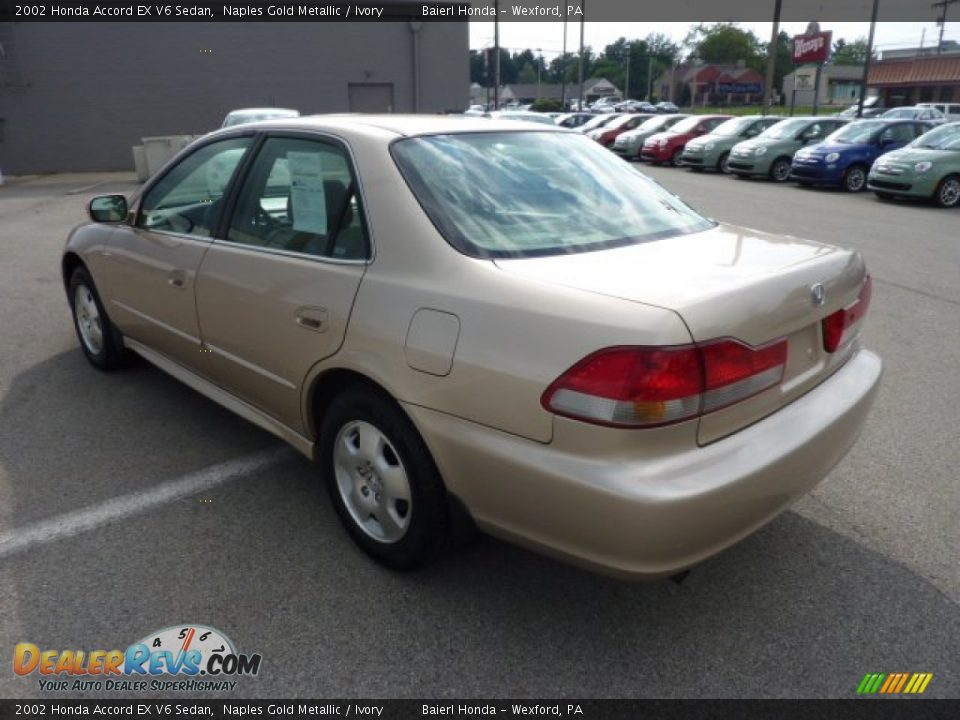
{"x":866,"y":61}
{"x":563,"y":67}
{"x":583,"y":7}
{"x":539,"y":67}
{"x":772,"y":58}
{"x":626,"y":81}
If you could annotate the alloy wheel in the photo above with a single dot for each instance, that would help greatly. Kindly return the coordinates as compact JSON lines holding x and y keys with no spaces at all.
{"x":372,"y":481}
{"x":88,"y":319}
{"x":949,"y":193}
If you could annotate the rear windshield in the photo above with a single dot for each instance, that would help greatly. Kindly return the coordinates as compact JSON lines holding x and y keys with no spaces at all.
{"x":525,"y":194}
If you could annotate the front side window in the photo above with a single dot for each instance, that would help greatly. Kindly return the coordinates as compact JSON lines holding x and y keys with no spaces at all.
{"x":521,"y":194}
{"x":188,"y":200}
{"x":785,"y":129}
{"x":300,"y":196}
{"x":902,"y":133}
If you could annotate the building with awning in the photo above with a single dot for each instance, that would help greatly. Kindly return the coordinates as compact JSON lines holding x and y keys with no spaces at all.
{"x":907,"y":81}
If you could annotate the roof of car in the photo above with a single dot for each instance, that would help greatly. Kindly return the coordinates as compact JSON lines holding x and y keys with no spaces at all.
{"x":405,"y":125}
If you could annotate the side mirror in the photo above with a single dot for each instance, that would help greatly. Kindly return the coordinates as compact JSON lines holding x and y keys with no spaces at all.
{"x":108,"y":209}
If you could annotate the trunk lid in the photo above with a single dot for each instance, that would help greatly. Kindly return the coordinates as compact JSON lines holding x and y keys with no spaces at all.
{"x":727,"y":282}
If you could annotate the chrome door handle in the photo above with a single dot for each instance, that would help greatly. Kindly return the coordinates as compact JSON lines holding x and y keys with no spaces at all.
{"x":311,"y":318}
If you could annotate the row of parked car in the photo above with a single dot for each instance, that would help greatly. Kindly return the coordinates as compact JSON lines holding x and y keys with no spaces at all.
{"x":894,"y":156}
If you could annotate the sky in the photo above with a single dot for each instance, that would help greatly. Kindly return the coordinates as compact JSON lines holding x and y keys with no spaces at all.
{"x":549,"y":35}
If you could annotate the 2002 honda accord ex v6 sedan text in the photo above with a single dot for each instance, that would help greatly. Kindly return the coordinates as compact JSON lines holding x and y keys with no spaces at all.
{"x":465,"y":318}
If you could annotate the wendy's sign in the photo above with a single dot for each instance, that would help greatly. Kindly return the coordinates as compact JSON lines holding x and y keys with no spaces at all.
{"x":811,"y":48}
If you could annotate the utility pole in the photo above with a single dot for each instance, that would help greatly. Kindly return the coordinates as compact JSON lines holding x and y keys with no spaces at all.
{"x":496,"y":55}
{"x":866,"y":62}
{"x":772,"y":58}
{"x":626,"y":81}
{"x":563,"y":67}
{"x":942,"y":21}
{"x":583,"y":7}
{"x":649,"y":75}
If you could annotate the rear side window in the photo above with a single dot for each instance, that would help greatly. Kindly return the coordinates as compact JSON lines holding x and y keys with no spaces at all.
{"x":521,"y":194}
{"x":188,"y":200}
{"x":300,"y":196}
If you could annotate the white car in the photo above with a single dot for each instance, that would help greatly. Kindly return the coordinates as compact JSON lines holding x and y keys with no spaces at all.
{"x":251,"y":115}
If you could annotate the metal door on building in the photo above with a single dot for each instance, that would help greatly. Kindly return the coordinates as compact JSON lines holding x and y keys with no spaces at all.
{"x":371,"y":97}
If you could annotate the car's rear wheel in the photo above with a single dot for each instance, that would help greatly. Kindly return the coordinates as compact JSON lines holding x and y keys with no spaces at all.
{"x":100,"y":341}
{"x":947,"y":193}
{"x":855,"y":178}
{"x":675,"y":158}
{"x":723,"y":165}
{"x":382,"y":480}
{"x":780,"y":170}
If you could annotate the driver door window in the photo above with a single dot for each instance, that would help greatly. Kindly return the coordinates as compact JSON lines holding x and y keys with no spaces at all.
{"x":188,"y":200}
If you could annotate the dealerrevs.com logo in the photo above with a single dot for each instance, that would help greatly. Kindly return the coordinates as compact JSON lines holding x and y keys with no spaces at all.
{"x":185,"y":657}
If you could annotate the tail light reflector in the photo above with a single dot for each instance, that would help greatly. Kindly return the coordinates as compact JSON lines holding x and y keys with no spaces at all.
{"x":650,"y":386}
{"x":837,"y":326}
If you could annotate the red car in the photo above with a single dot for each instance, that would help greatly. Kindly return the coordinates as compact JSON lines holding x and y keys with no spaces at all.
{"x":606,"y":134}
{"x":668,"y":146}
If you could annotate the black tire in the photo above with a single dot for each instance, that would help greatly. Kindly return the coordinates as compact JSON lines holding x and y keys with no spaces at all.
{"x":947,"y":194}
{"x":722,"y":164}
{"x":428,"y":519}
{"x":855,"y":178}
{"x":675,"y":159}
{"x":111,"y":354}
{"x":780,"y":170}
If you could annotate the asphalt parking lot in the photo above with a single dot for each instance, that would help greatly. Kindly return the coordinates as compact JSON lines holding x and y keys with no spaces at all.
{"x":129,"y":503}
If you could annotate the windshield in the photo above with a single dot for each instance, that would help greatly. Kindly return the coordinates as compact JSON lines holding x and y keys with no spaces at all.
{"x":858,"y":132}
{"x":785,"y":129}
{"x":521,"y":194}
{"x":686,"y":125}
{"x":733,"y":127}
{"x":654,"y":123}
{"x":900,"y":113}
{"x":597,"y":122}
{"x":945,"y":137}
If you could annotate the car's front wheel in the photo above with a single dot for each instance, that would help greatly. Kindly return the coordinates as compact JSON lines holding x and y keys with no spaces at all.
{"x":724,"y":164}
{"x":780,"y":170}
{"x":948,"y":192}
{"x":99,"y":339}
{"x":675,"y":159}
{"x":382,"y":480}
{"x":855,"y":178}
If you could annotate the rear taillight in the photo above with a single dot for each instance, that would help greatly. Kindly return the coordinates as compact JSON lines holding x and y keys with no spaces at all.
{"x":650,"y":386}
{"x":838,"y":327}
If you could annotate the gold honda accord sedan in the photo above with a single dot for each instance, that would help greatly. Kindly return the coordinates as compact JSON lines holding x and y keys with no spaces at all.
{"x":491,"y":322}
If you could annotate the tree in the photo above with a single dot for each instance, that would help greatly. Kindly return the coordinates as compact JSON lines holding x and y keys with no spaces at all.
{"x":854,"y":53}
{"x":477,"y":67}
{"x":723,"y":43}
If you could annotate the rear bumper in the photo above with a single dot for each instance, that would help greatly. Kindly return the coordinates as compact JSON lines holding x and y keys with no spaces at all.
{"x":639,"y":519}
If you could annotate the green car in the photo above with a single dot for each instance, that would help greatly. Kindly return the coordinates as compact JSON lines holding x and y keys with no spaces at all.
{"x":712,"y":151}
{"x":771,"y":152}
{"x":929,"y":167}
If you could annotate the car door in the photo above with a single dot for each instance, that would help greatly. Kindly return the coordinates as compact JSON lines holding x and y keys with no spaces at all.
{"x":276,"y":287}
{"x":150,"y":273}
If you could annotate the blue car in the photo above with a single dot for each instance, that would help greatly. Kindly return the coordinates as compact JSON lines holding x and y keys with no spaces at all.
{"x":844,"y":158}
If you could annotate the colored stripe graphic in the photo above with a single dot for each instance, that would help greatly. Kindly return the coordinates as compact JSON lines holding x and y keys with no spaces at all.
{"x":894,"y":683}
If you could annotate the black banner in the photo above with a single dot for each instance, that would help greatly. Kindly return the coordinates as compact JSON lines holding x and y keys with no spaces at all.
{"x":466,"y":11}
{"x":854,"y":709}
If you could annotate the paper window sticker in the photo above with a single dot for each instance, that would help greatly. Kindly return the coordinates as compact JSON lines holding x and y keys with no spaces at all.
{"x":307,"y":197}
